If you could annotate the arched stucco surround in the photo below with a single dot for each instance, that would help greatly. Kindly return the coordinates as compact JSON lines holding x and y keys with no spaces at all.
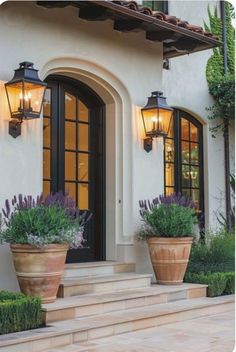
{"x":205,"y":128}
{"x":119,"y":159}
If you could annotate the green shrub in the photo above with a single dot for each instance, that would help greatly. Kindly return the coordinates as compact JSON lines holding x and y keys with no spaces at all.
{"x":230,"y":284}
{"x":170,"y":220}
{"x":19,"y":312}
{"x":216,"y":282}
{"x":216,"y":255}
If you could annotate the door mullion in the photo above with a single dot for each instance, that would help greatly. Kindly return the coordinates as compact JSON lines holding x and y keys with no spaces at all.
{"x":61,"y":138}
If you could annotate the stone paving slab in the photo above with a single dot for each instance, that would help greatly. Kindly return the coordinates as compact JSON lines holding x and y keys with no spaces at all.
{"x":185,"y":336}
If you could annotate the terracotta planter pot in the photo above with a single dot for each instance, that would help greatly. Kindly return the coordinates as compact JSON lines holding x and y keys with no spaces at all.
{"x":169,"y":258}
{"x":39,"y":270}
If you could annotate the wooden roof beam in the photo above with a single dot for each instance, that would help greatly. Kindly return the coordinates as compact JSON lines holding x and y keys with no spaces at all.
{"x":93,"y":13}
{"x":128,"y":25}
{"x":161,"y":35}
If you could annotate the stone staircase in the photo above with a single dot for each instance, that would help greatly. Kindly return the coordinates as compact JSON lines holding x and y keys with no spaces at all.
{"x":109,"y":298}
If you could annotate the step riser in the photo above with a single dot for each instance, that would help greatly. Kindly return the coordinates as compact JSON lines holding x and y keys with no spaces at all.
{"x":68,"y":291}
{"x":115,"y":329}
{"x":141,"y":324}
{"x":113,"y":306}
{"x":99,"y":270}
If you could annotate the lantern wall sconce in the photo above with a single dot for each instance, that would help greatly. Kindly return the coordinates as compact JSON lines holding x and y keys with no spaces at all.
{"x":25,"y":93}
{"x":157,"y":116}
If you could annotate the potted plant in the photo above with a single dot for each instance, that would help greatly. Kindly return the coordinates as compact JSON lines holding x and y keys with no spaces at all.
{"x":169,"y":230}
{"x":40,"y":231}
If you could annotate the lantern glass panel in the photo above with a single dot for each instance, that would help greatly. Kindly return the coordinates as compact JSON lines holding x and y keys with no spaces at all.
{"x":157,"y":121}
{"x":150,"y":120}
{"x":15,"y":97}
{"x":164,"y":120}
{"x":33,"y":97}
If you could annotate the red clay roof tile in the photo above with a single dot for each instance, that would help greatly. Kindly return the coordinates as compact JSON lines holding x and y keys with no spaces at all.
{"x":133,"y":5}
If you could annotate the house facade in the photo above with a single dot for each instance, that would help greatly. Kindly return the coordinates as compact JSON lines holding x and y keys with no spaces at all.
{"x":100,"y":67}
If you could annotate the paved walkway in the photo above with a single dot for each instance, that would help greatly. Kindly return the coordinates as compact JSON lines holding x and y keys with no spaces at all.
{"x":214,"y":333}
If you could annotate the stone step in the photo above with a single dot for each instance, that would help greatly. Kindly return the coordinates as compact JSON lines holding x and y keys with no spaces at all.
{"x":93,"y":304}
{"x":78,"y":330}
{"x":108,"y":267}
{"x":107,"y":283}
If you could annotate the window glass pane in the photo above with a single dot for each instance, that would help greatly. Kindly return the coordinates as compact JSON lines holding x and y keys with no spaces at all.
{"x":184,"y":129}
{"x":186,"y":193}
{"x":185,"y":176}
{"x":195,"y":197}
{"x":46,"y":132}
{"x":169,"y":150}
{"x":70,"y":135}
{"x":83,"y":167}
{"x":169,"y":191}
{"x":47,"y":102}
{"x":70,"y":106}
{"x":83,"y":137}
{"x":194,"y":153}
{"x":70,"y":189}
{"x":46,"y":188}
{"x":193,"y":133}
{"x":154,"y":5}
{"x":70,"y":166}
{"x":170,"y":179}
{"x":83,"y":111}
{"x":185,"y":152}
{"x":83,"y":196}
{"x":195,"y":176}
{"x":46,"y":163}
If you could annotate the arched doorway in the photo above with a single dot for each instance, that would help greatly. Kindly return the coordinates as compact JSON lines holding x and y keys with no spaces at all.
{"x":183,"y":158}
{"x":74,"y":156}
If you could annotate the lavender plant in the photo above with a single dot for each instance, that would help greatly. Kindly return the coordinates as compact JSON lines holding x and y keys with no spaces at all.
{"x":170,"y":216}
{"x":40,"y":222}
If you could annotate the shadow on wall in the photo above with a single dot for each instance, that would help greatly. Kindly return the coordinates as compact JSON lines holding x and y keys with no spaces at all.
{"x":8,"y":280}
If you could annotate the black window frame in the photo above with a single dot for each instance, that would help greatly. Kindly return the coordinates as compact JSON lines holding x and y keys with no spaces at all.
{"x":177,"y":116}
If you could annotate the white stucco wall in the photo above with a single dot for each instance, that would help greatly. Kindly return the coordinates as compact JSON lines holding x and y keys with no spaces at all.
{"x":123,"y":68}
{"x":186,"y":87}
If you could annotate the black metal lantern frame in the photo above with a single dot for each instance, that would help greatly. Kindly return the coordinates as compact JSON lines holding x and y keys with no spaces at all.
{"x":25,"y":93}
{"x":157,"y":117}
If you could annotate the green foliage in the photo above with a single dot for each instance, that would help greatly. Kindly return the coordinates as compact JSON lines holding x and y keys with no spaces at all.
{"x":215,"y":65}
{"x":221,"y":85}
{"x":230,"y":284}
{"x":216,"y":255}
{"x":216,"y":282}
{"x":170,"y":220}
{"x":212,"y":263}
{"x":19,"y":312}
{"x":39,"y":225}
{"x":223,"y":90}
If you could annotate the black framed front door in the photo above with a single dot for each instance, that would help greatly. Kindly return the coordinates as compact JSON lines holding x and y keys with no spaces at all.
{"x":74,"y":156}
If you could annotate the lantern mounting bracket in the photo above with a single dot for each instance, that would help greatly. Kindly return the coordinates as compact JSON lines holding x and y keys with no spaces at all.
{"x":147,"y":144}
{"x":15,"y":127}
